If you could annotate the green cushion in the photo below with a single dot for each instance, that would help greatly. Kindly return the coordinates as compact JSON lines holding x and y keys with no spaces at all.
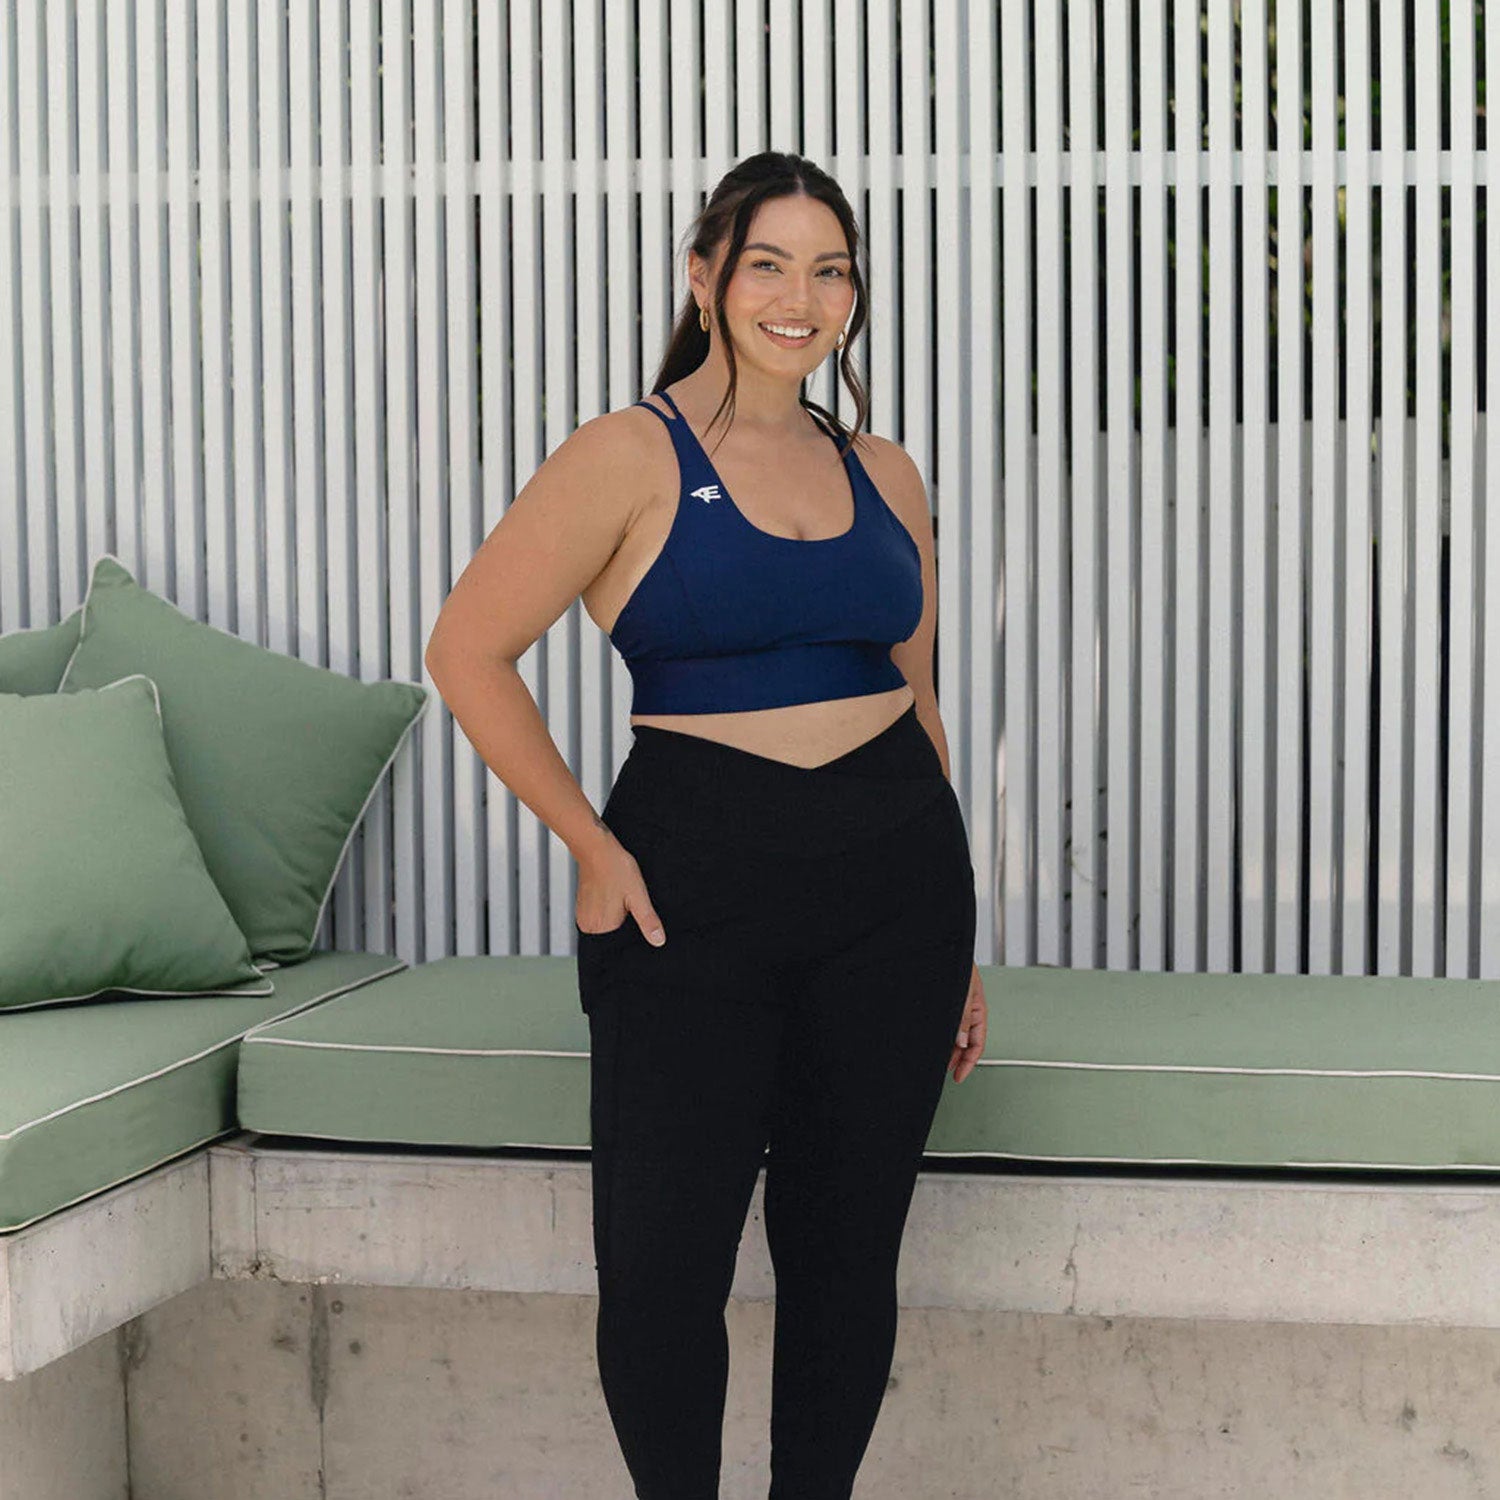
{"x":102,"y":884}
{"x":91,"y":1095}
{"x":488,"y":1051}
{"x":1255,"y":1070}
{"x":276,"y":759}
{"x":32,"y":661}
{"x":1095,"y":1066}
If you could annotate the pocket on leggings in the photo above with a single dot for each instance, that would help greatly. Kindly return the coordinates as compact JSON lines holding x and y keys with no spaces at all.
{"x":604,"y":937}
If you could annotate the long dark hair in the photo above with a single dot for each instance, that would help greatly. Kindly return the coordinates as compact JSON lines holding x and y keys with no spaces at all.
{"x":726,"y":216}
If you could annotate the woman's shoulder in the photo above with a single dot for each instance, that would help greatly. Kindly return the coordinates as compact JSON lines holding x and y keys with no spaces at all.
{"x":621,"y":436}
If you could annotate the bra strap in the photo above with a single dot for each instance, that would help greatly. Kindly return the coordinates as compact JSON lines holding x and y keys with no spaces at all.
{"x":656,"y":410}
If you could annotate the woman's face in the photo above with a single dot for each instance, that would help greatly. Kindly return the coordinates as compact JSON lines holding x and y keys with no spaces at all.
{"x":793,"y":272}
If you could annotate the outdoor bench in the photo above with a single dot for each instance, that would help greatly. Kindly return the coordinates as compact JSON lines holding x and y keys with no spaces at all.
{"x":1275,"y":1147}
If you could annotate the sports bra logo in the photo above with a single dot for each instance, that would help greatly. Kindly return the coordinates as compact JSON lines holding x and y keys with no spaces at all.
{"x":706,"y":493}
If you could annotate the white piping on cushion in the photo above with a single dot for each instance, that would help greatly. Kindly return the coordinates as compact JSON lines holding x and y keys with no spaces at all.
{"x":217,"y":1046}
{"x":94,"y":1192}
{"x":375,"y":785}
{"x":291,"y":1041}
{"x":1032,"y":1062}
{"x":1196,"y":1161}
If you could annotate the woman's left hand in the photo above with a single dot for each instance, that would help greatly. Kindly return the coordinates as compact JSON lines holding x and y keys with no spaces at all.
{"x":971,"y":1030}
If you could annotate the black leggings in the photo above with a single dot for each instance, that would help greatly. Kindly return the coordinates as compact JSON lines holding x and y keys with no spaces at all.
{"x":820,"y":939}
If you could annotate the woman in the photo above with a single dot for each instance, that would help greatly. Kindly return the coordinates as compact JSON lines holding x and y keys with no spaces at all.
{"x":775,"y":912}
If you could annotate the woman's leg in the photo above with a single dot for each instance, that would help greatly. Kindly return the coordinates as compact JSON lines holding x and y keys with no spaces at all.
{"x":864,"y":1055}
{"x":680,"y":1086}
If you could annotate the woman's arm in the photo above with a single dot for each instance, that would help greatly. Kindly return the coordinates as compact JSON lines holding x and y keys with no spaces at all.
{"x":551,"y":543}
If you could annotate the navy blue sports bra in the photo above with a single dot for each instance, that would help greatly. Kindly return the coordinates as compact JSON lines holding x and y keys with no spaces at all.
{"x":732,"y":617}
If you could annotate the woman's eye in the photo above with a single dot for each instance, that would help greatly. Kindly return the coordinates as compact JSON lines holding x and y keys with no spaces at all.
{"x":756,"y":265}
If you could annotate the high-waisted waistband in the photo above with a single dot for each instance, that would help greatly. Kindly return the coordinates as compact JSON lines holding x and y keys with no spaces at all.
{"x":700,"y":788}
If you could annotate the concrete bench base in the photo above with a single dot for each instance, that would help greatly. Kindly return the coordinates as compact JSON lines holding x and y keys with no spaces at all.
{"x":1258,"y":1250}
{"x":1251,"y":1249}
{"x":66,"y":1279}
{"x":298,"y":1319}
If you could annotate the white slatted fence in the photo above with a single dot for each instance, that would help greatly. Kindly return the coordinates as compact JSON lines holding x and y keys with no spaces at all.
{"x":299,"y":294}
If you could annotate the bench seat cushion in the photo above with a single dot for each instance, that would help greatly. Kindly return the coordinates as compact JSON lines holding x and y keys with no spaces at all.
{"x":1085,"y":1066}
{"x":92,"y":1094}
{"x":1231,"y":1070}
{"x":463,"y":1051}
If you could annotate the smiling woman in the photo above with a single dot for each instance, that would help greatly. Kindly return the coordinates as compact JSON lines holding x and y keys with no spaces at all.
{"x":775,"y":914}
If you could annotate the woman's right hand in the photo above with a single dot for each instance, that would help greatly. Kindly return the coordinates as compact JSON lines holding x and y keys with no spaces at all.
{"x":612,"y":891}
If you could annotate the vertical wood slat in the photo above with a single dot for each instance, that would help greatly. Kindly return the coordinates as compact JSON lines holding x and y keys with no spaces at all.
{"x":1119,"y":539}
{"x":594,"y":760}
{"x":1225,"y":772}
{"x":437,"y":735}
{"x":209,"y":77}
{"x":13,"y":609}
{"x":373,"y":850}
{"x":1427,"y":508}
{"x":67,"y":457}
{"x":1048,"y":871}
{"x":627,"y":359}
{"x":127,"y":497}
{"x":912,"y":284}
{"x":1018,"y":713}
{"x":1286,"y":855}
{"x":1489,"y":815}
{"x":849,"y":163}
{"x":879,"y":339}
{"x":462,"y":493}
{"x":1257,"y":723}
{"x":878,"y":350}
{"x":1355,"y":910}
{"x":816,"y":63}
{"x":953,"y":312}
{"x":1187,"y":816}
{"x":1322,"y":616}
{"x":187,"y":498}
{"x":1155,"y":534}
{"x":39,"y":485}
{"x":406,"y":623}
{"x":92,"y":304}
{"x":339,"y":298}
{"x":1459,"y":941}
{"x":1393,"y":944}
{"x":557,"y":381}
{"x":153,"y":292}
{"x":495,"y":429}
{"x":979,"y":791}
{"x":339,"y":517}
{"x":246,"y":414}
{"x":278,"y":475}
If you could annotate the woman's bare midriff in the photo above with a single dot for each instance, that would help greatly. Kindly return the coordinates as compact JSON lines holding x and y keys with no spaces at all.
{"x":802,"y":734}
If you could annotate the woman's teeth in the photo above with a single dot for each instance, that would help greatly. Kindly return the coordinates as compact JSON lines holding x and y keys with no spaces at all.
{"x":787,"y":340}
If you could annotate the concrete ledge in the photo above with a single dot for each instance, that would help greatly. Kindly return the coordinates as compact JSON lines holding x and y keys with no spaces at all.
{"x":1254,"y":1249}
{"x":81,"y":1272}
{"x":1268,"y":1249}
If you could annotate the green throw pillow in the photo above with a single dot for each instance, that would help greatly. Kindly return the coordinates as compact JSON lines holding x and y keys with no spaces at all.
{"x":32,"y":661}
{"x":102,"y":884}
{"x":276,"y":759}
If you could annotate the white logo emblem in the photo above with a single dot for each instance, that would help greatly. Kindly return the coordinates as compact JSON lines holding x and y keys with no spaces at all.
{"x":706,"y":493}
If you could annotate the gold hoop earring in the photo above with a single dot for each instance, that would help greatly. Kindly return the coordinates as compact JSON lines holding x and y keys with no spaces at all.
{"x":840,"y":343}
{"x":703,"y":318}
